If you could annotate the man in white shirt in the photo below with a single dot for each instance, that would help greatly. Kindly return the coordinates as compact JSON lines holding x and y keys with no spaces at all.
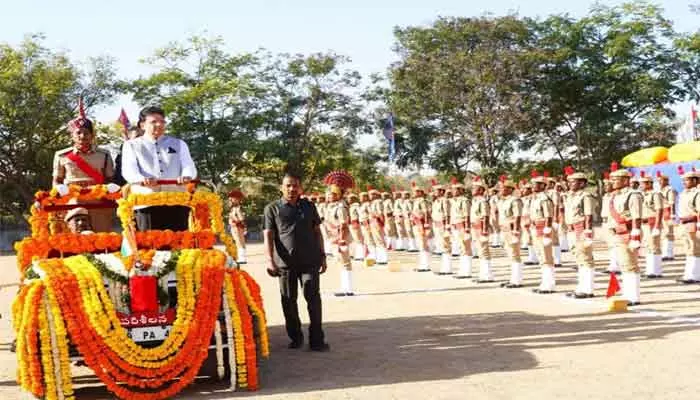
{"x":154,"y":157}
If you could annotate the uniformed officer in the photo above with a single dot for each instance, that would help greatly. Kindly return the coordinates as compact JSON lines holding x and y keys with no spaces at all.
{"x":669,"y":220}
{"x":355,"y":230}
{"x":558,"y":205}
{"x":479,"y":217}
{"x":689,"y":217}
{"x":377,"y":224}
{"x":389,"y":220}
{"x":609,"y":224}
{"x":338,"y":226}
{"x":542,"y":217}
{"x":408,"y":220}
{"x":562,"y":188}
{"x":365,"y":216}
{"x":495,"y":226}
{"x":510,"y":218}
{"x":528,"y":239}
{"x":236,"y":221}
{"x":399,"y":225}
{"x":460,"y":209}
{"x":652,"y":214}
{"x":420,"y":217}
{"x":579,"y":220}
{"x":625,"y":211}
{"x":440,"y":214}
{"x":85,"y":164}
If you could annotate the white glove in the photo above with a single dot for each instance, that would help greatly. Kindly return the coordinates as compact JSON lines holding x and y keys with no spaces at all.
{"x":635,"y":244}
{"x":655,"y":232}
{"x":588,"y":243}
{"x":547,"y":229}
{"x":484,"y":239}
{"x":515,"y":240}
{"x":547,"y":241}
{"x":113,"y":188}
{"x":467,"y":236}
{"x":62,"y":189}
{"x":555,"y":225}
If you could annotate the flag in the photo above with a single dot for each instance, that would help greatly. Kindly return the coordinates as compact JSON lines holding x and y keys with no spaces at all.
{"x":613,"y":286}
{"x":389,"y":135}
{"x":124,"y":120}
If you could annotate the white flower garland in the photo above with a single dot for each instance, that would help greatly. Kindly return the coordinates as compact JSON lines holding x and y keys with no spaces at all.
{"x":229,"y":340}
{"x":54,"y":350}
{"x":219,"y":351}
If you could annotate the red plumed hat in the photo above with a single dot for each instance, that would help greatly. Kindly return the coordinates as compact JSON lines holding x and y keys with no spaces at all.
{"x":339,"y":178}
{"x":236,"y":194}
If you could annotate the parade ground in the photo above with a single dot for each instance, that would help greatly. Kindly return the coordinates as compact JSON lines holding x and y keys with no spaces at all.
{"x":410,"y":335}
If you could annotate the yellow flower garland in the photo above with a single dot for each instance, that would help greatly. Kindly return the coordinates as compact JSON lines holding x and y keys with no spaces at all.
{"x":62,"y":339}
{"x":260,"y":314}
{"x":46,"y":356}
{"x":239,"y":339}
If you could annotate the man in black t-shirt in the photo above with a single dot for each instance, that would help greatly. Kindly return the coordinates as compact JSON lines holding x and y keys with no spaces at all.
{"x":294,"y":248}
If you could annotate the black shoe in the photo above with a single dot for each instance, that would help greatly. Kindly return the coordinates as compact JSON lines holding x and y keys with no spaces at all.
{"x":462,"y":276}
{"x":421,"y":270}
{"x":13,"y":346}
{"x":667,"y":259}
{"x":633,"y":303}
{"x":618,"y":273}
{"x":653,"y":276}
{"x":565,"y":251}
{"x":296,"y":344}
{"x":340,"y":294}
{"x":323,"y":347}
{"x":539,"y":291}
{"x":484,"y":280}
{"x":530,"y":263}
{"x":350,"y":294}
{"x":443,"y":273}
{"x":559,"y":266}
{"x":686,"y":281}
{"x":577,"y":295}
{"x":475,"y":256}
{"x":512,"y":286}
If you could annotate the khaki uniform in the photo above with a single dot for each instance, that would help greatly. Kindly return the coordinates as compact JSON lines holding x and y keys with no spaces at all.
{"x":688,"y":211}
{"x":510,"y":208}
{"x":669,"y":196}
{"x":578,"y":206}
{"x":389,"y":215}
{"x":420,"y":218}
{"x":377,"y":222}
{"x":338,"y":228}
{"x":480,"y":210}
{"x":525,"y":221}
{"x":407,"y":220}
{"x":494,"y":224}
{"x":236,"y":219}
{"x":558,"y":216}
{"x":355,"y":231}
{"x":67,"y":172}
{"x":399,"y":216}
{"x":653,"y":203}
{"x":364,"y":216}
{"x":441,"y":222}
{"x":542,"y":208}
{"x":625,"y":206}
{"x":459,"y":220}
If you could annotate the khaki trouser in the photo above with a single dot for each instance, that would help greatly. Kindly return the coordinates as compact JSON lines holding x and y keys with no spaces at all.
{"x":367,"y":237}
{"x":512,"y":249}
{"x":690,"y":240}
{"x":400,"y":228}
{"x":584,"y":252}
{"x":408,"y":226}
{"x":238,"y":233}
{"x":652,"y":243}
{"x":389,"y":227}
{"x":421,"y":237}
{"x":555,"y":235}
{"x":545,"y":253}
{"x":627,"y":258}
{"x":482,"y":245}
{"x":443,"y":235}
{"x":356,"y":233}
{"x":342,"y":256}
{"x":465,"y":245}
{"x":526,"y":237}
{"x":377,"y":234}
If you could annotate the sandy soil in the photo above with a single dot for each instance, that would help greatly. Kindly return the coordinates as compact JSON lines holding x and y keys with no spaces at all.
{"x":411,"y":335}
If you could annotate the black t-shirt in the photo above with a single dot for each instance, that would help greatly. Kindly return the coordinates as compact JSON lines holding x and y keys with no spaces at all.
{"x":296,"y":244}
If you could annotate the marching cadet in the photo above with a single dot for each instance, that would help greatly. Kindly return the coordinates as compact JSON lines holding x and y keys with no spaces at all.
{"x":338,"y":223}
{"x":652,"y":217}
{"x":420,"y":217}
{"x":528,"y":239}
{"x":389,"y":223}
{"x":236,"y":221}
{"x":609,"y":224}
{"x":562,"y":189}
{"x":355,"y":230}
{"x":541,"y":218}
{"x":625,"y":211}
{"x":579,"y":220}
{"x":377,"y":226}
{"x":401,"y":240}
{"x":85,"y":164}
{"x":460,"y":209}
{"x":495,"y":227}
{"x":440,"y":214}
{"x":479,"y":218}
{"x":510,"y":215}
{"x":407,"y":207}
{"x":365,"y":216}
{"x":689,"y":213}
{"x":669,"y":194}
{"x":558,"y":205}
{"x":451,"y":195}
{"x":634,"y":182}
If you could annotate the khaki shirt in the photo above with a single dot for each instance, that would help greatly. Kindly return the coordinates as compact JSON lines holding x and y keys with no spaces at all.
{"x":509,"y":208}
{"x":377,"y":208}
{"x":354,"y":212}
{"x":236,"y":215}
{"x":578,"y":206}
{"x":526,"y":205}
{"x":67,"y":172}
{"x":337,"y":220}
{"x":441,"y":210}
{"x":459,"y":210}
{"x":689,"y":203}
{"x":364,"y":212}
{"x":420,"y":209}
{"x":388,"y":207}
{"x":398,"y":208}
{"x":557,"y":203}
{"x":541,"y":207}
{"x":628,"y":203}
{"x":653,"y":203}
{"x":670,"y":196}
{"x":480,"y":209}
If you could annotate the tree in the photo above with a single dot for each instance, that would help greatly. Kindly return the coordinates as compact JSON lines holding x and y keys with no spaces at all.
{"x":607,"y":83}
{"x":39,"y":90}
{"x":460,"y":84}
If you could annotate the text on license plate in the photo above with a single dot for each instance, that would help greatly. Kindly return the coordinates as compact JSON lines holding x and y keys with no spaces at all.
{"x":148,"y":333}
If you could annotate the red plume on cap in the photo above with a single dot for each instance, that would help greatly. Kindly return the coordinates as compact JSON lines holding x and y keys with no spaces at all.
{"x":680,"y":170}
{"x":339,"y":178}
{"x":658,"y":174}
{"x":546,"y":174}
{"x":369,"y":187}
{"x":413,"y":183}
{"x":534,"y":173}
{"x":453,"y":180}
{"x":433,"y":182}
{"x":502,"y":178}
{"x":642,"y":174}
{"x":614,"y":166}
{"x":606,"y":175}
{"x":236,"y":194}
{"x":476,"y":179}
{"x":81,"y":121}
{"x":569,"y":170}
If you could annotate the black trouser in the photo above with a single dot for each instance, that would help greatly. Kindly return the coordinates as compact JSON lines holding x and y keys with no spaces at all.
{"x":289,"y":287}
{"x":175,"y":218}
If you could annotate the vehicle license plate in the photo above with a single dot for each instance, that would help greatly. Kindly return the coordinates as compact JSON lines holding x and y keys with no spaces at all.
{"x":149,"y":333}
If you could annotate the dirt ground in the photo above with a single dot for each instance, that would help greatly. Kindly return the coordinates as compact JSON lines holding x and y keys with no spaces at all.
{"x":409,"y":335}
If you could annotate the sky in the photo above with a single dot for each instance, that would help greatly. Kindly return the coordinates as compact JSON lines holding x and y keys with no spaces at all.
{"x":361,"y":29}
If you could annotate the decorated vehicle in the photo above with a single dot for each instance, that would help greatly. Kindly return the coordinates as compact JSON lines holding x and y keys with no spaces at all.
{"x":144,"y":310}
